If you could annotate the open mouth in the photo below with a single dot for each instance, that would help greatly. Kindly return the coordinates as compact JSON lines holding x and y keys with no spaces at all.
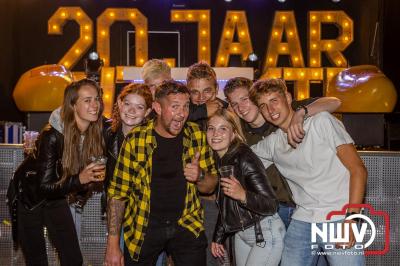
{"x":275,"y":116}
{"x":130,"y":116}
{"x":216,"y":141}
{"x":244,"y":113}
{"x":176,"y":124}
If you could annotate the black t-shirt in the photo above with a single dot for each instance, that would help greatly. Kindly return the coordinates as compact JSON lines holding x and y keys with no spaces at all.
{"x":168,"y":184}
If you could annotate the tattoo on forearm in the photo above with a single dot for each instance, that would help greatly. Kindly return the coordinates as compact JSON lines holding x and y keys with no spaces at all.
{"x":115,"y":214}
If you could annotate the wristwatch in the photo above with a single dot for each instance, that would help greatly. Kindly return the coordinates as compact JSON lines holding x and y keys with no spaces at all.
{"x":357,"y":220}
{"x":202,"y":175}
{"x":305,"y":110}
{"x":243,"y":202}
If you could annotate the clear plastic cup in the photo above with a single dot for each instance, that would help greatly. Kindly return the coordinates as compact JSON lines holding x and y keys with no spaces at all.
{"x":100,"y":160}
{"x":226,"y":171}
{"x":29,"y":141}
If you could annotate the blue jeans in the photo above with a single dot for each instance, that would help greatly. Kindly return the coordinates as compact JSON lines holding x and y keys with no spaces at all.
{"x":249,"y":253}
{"x":161,"y":259}
{"x":298,"y":251}
{"x":285,"y":212}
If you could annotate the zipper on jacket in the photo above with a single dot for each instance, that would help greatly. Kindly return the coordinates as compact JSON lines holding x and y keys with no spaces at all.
{"x":220,"y":214}
{"x":112,"y":155}
{"x":240,"y":216}
{"x":218,"y":194}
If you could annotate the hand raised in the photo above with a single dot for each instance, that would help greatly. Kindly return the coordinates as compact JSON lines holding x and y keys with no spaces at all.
{"x":213,"y":106}
{"x":192,"y":170}
{"x":295,"y":131}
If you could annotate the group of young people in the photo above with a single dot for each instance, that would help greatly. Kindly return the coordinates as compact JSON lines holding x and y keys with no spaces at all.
{"x":293,"y":163}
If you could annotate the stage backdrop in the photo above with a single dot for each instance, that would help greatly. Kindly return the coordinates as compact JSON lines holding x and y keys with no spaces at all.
{"x":29,"y":37}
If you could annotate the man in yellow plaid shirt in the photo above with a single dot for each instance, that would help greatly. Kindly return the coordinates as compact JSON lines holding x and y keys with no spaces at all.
{"x":162,"y":166}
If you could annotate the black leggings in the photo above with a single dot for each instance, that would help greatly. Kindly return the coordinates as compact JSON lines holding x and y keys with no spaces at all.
{"x":57,"y":218}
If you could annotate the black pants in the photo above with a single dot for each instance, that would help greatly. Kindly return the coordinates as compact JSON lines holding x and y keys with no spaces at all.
{"x":210,"y":220}
{"x":179,"y":242}
{"x":57,"y":218}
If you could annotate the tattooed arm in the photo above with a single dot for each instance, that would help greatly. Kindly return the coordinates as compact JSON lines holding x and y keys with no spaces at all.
{"x":115,"y":214}
{"x":119,"y":192}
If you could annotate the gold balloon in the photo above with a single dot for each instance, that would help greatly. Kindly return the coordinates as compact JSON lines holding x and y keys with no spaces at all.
{"x":363,"y":89}
{"x":41,"y":89}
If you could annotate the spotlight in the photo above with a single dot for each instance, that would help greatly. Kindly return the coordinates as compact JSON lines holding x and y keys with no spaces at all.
{"x":93,"y":56}
{"x":336,"y":1}
{"x":228,"y":1}
{"x":93,"y":65}
{"x":252,"y":61}
{"x":253,"y":57}
{"x":281,"y":1}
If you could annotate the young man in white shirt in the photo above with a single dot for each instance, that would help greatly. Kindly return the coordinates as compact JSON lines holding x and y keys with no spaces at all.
{"x":324,"y":173}
{"x":255,"y":128}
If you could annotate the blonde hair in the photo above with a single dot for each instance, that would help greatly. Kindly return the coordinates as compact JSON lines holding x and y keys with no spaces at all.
{"x":238,"y":82}
{"x":201,"y":70}
{"x":233,"y":120}
{"x":155,"y":68}
{"x":265,"y":86}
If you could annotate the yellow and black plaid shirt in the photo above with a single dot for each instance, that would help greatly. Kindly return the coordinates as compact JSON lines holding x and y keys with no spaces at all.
{"x":132,"y":177}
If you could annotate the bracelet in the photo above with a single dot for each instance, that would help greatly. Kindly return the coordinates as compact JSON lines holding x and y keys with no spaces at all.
{"x":305,"y":110}
{"x":202,"y":175}
{"x":354,"y":219}
{"x":243,"y":202}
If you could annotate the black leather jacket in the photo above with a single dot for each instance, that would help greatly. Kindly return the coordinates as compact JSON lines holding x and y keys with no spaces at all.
{"x":113,"y":141}
{"x":260,"y":197}
{"x":50,"y":169}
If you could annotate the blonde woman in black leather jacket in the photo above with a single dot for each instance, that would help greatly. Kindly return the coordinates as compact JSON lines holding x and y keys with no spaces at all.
{"x":246,"y":201}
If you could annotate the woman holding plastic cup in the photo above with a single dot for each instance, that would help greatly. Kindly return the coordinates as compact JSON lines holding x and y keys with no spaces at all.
{"x":245,"y":198}
{"x":65,"y":146}
{"x":30,"y":138}
{"x":100,"y":160}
